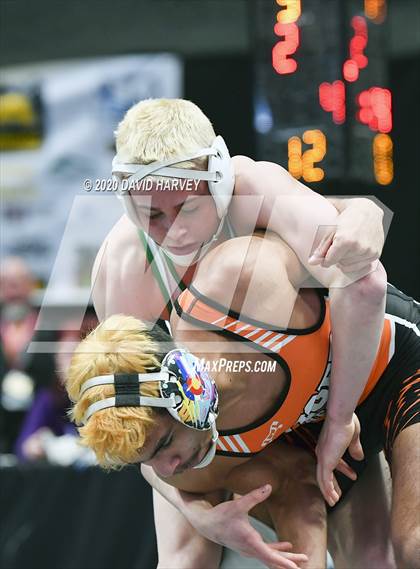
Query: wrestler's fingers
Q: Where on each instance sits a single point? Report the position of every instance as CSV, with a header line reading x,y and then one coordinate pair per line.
x,y
356,449
281,545
325,482
337,488
335,253
320,251
345,469
334,493
296,557
248,501
274,558
290,561
328,485
285,546
281,563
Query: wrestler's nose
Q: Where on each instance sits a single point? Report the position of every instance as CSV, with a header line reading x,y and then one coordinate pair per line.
x,y
177,231
166,466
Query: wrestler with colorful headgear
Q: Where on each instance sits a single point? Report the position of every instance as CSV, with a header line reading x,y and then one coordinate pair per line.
x,y
255,408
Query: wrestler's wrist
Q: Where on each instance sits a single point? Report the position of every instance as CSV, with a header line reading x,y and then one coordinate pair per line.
x,y
338,418
367,205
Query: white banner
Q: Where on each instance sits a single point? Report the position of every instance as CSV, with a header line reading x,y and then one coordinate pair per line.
x,y
83,102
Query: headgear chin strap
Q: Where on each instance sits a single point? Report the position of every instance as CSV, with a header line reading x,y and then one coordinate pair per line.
x,y
219,176
186,391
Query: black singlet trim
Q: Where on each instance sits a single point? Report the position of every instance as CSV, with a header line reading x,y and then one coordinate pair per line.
x,y
238,454
276,357
247,320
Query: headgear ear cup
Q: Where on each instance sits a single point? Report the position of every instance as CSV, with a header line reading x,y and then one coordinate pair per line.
x,y
222,189
198,402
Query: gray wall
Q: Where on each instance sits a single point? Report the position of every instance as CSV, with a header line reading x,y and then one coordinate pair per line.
x,y
39,30
48,29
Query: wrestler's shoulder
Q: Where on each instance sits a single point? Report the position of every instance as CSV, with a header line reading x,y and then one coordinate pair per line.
x,y
120,265
241,255
124,233
243,271
122,248
250,173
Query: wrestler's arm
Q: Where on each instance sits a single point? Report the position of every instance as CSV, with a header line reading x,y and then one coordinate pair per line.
x,y
179,544
222,522
357,240
354,242
120,277
357,300
226,522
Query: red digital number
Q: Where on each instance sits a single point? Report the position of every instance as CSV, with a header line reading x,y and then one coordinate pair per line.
x,y
332,98
358,43
287,29
375,109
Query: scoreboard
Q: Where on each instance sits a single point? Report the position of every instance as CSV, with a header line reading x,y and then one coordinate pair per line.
x,y
323,108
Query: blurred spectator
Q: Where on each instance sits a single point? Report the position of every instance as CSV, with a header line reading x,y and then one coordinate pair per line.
x,y
18,317
47,433
21,373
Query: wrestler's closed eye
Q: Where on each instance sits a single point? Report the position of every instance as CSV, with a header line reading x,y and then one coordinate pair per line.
x,y
161,445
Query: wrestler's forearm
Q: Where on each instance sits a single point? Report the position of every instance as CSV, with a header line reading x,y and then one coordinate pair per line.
x,y
340,204
357,313
179,544
184,502
363,206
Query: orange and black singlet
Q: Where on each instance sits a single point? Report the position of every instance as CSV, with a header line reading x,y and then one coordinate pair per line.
x,y
304,355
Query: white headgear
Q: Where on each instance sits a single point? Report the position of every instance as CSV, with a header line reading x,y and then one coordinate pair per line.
x,y
219,175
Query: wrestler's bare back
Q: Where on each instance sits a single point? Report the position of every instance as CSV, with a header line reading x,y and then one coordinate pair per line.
x,y
242,400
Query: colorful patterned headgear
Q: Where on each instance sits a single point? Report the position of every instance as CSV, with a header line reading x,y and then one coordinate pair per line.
x,y
186,391
195,391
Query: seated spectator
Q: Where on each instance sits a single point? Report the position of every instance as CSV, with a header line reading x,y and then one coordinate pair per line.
x,y
18,316
20,372
47,433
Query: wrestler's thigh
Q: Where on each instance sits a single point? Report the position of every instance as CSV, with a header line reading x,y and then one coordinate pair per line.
x,y
179,544
359,528
405,515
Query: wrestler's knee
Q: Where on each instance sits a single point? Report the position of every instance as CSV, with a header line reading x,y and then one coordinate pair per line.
x,y
406,542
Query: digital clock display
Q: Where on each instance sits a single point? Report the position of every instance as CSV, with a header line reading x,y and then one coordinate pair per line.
x,y
322,103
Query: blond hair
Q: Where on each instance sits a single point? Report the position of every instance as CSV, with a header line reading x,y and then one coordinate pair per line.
x,y
120,344
159,129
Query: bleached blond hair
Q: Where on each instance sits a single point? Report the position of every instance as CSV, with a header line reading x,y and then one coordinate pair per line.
x,y
120,344
159,129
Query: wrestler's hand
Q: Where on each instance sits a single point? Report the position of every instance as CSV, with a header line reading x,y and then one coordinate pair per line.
x,y
228,524
356,242
334,440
